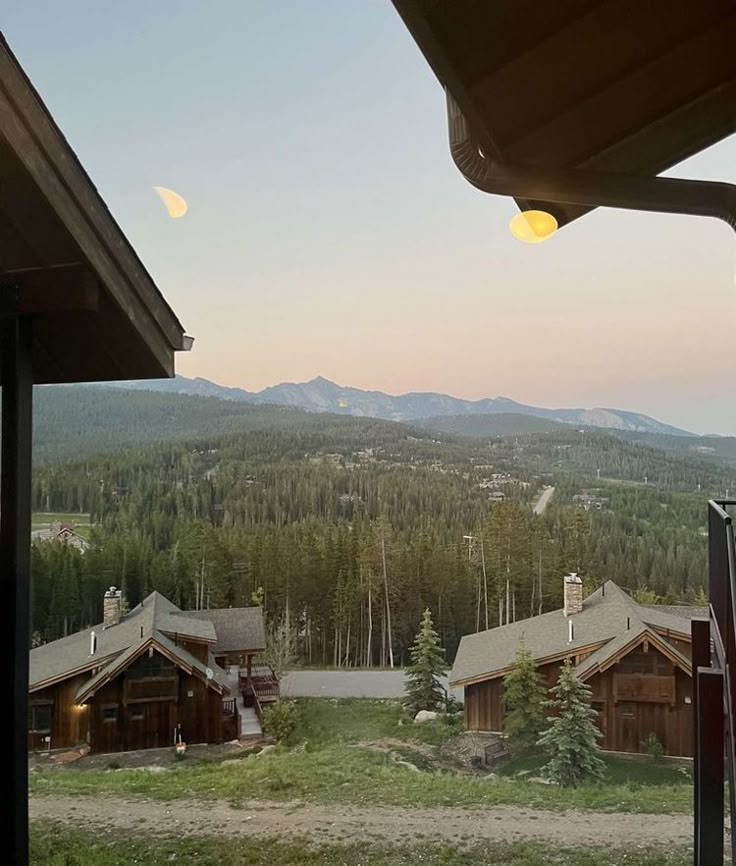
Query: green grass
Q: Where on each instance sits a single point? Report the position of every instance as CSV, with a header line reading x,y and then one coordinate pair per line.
x,y
57,845
357,720
620,770
346,774
331,767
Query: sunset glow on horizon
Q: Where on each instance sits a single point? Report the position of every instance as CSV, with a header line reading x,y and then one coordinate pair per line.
x,y
333,235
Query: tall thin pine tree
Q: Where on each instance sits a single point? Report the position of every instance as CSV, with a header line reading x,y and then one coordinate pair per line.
x,y
424,690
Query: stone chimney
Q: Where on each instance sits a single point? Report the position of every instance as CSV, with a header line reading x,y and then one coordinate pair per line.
x,y
573,594
113,607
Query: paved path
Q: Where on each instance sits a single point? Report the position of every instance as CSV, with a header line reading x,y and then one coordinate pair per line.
x,y
541,504
348,684
350,824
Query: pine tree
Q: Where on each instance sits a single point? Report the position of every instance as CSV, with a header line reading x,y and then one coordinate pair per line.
x,y
525,697
572,738
423,689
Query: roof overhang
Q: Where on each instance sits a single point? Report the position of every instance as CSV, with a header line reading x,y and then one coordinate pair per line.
x,y
649,636
64,260
94,662
586,649
126,658
577,103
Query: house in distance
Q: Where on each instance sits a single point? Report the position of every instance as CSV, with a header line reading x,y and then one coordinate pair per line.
x,y
635,658
62,533
143,678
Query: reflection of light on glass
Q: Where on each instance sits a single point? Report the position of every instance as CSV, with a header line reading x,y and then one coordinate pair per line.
x,y
173,202
533,226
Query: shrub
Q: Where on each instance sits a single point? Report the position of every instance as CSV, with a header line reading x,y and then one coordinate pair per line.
x,y
652,746
279,721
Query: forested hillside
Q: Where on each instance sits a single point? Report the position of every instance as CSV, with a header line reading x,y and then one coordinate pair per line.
x,y
485,426
356,525
78,420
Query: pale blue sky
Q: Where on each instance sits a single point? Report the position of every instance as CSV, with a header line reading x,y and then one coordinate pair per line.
x,y
329,234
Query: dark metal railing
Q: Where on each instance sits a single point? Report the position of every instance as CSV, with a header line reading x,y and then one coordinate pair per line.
x,y
714,685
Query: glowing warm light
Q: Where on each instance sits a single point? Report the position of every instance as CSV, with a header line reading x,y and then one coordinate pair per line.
x,y
173,202
533,226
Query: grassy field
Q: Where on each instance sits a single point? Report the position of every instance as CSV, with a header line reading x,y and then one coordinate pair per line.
x,y
80,522
53,845
620,770
348,753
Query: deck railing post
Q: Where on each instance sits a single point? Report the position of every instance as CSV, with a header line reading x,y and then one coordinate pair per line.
x,y
15,568
709,761
700,631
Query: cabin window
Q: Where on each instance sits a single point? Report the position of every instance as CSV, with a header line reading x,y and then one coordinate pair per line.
x,y
135,712
39,718
150,667
639,662
627,711
109,714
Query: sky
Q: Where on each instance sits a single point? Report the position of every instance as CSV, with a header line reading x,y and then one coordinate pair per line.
x,y
328,232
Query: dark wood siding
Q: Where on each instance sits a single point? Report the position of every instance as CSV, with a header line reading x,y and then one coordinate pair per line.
x,y
631,705
627,723
134,712
484,706
484,709
684,646
69,723
198,649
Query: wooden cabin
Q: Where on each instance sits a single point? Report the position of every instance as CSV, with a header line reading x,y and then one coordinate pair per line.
x,y
140,679
634,657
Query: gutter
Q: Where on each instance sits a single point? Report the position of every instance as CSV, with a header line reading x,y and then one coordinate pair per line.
x,y
584,187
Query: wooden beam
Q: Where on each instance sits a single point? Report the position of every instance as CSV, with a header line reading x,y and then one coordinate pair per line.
x,y
15,570
709,751
57,290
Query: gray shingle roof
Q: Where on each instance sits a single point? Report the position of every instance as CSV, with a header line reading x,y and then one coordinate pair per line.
x,y
154,618
183,656
609,616
237,628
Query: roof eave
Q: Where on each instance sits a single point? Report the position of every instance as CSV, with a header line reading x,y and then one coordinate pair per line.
x,y
542,660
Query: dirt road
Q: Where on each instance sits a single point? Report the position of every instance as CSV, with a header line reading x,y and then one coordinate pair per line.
x,y
350,824
541,504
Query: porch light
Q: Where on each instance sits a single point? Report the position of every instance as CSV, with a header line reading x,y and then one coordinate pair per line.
x,y
533,226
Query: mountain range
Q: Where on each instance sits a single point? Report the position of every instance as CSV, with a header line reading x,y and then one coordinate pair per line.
x,y
322,395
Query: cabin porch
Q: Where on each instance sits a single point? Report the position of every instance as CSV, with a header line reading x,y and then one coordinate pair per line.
x,y
250,688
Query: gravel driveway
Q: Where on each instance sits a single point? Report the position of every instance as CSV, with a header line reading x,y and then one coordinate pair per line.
x,y
350,824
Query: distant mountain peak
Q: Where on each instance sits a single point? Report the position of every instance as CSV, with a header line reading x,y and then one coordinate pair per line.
x,y
323,395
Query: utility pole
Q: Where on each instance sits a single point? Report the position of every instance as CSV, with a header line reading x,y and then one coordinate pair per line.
x,y
388,602
485,577
470,539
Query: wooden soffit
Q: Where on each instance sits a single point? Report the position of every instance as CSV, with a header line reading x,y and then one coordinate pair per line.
x,y
614,86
